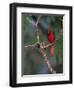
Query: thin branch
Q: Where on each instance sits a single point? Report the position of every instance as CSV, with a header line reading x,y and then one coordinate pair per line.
x,y
46,46
37,30
33,45
38,20
47,61
38,37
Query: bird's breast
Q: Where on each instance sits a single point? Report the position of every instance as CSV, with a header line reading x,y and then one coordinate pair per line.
x,y
51,37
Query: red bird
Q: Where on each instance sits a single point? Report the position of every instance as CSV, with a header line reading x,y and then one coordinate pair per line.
x,y
51,39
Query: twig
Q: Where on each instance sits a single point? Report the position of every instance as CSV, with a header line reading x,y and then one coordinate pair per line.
x,y
38,21
46,46
33,45
47,61
37,30
38,38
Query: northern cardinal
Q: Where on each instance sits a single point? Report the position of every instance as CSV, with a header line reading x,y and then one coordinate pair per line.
x,y
51,39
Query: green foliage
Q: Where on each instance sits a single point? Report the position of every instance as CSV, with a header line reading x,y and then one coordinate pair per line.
x,y
59,49
25,23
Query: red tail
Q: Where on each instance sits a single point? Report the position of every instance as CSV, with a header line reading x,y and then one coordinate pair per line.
x,y
52,50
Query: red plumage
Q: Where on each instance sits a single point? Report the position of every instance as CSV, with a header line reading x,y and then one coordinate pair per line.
x,y
51,39
52,50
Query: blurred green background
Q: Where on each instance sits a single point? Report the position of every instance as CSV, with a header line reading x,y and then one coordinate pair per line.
x,y
32,61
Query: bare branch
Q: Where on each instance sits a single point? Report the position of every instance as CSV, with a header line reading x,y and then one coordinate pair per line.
x,y
47,61
38,20
50,44
37,30
33,45
38,38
